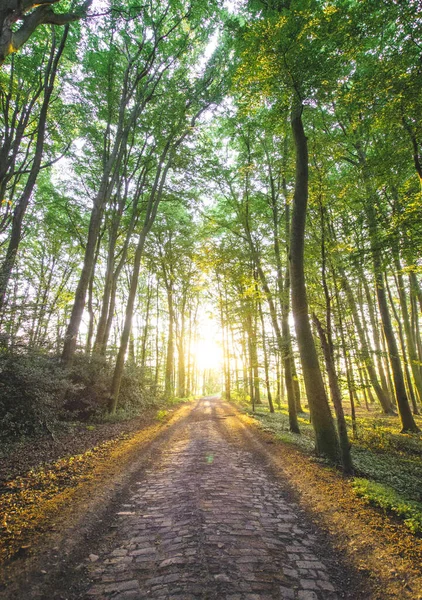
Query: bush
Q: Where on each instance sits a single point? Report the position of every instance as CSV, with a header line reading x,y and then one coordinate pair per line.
x,y
138,390
89,387
32,388
36,392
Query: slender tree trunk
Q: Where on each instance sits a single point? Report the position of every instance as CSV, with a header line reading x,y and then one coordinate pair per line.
x,y
376,336
181,368
168,381
406,417
283,340
266,369
38,339
364,351
100,345
146,327
124,339
415,317
346,457
285,347
410,389
235,357
347,366
411,345
327,345
157,338
226,359
325,433
69,346
23,202
90,313
108,181
254,358
245,363
279,382
251,356
227,356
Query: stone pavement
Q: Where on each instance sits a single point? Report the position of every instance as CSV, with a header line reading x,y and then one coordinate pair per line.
x,y
209,522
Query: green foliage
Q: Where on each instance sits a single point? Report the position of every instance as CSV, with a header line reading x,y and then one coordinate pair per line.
x,y
385,497
278,424
38,395
402,474
161,415
383,435
87,395
31,390
138,390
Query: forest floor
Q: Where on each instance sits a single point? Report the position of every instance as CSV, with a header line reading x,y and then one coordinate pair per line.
x,y
200,503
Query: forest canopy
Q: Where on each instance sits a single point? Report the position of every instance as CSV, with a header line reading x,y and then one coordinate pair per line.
x,y
257,165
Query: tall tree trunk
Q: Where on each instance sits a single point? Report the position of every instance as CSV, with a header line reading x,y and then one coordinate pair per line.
x,y
325,434
415,316
376,336
168,381
23,202
109,178
364,350
226,358
411,345
69,346
227,354
157,338
292,383
406,417
280,390
99,344
251,355
346,458
283,340
410,389
266,368
181,367
90,332
326,338
347,366
146,327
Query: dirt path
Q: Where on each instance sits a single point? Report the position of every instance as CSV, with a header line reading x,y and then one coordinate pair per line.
x,y
204,519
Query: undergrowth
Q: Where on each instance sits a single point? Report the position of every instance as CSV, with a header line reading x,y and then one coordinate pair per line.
x,y
387,498
38,396
387,463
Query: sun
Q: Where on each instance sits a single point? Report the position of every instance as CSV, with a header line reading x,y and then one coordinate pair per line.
x,y
207,349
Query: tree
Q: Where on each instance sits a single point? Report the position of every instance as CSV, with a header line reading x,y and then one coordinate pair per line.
x,y
30,15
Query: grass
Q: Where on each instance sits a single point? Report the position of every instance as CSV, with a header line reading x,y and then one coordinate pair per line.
x,y
388,465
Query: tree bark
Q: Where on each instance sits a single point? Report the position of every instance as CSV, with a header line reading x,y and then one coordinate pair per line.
x,y
22,204
346,457
31,15
325,434
266,368
364,350
411,346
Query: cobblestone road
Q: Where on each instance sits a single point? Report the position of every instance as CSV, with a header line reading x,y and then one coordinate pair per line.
x,y
207,521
